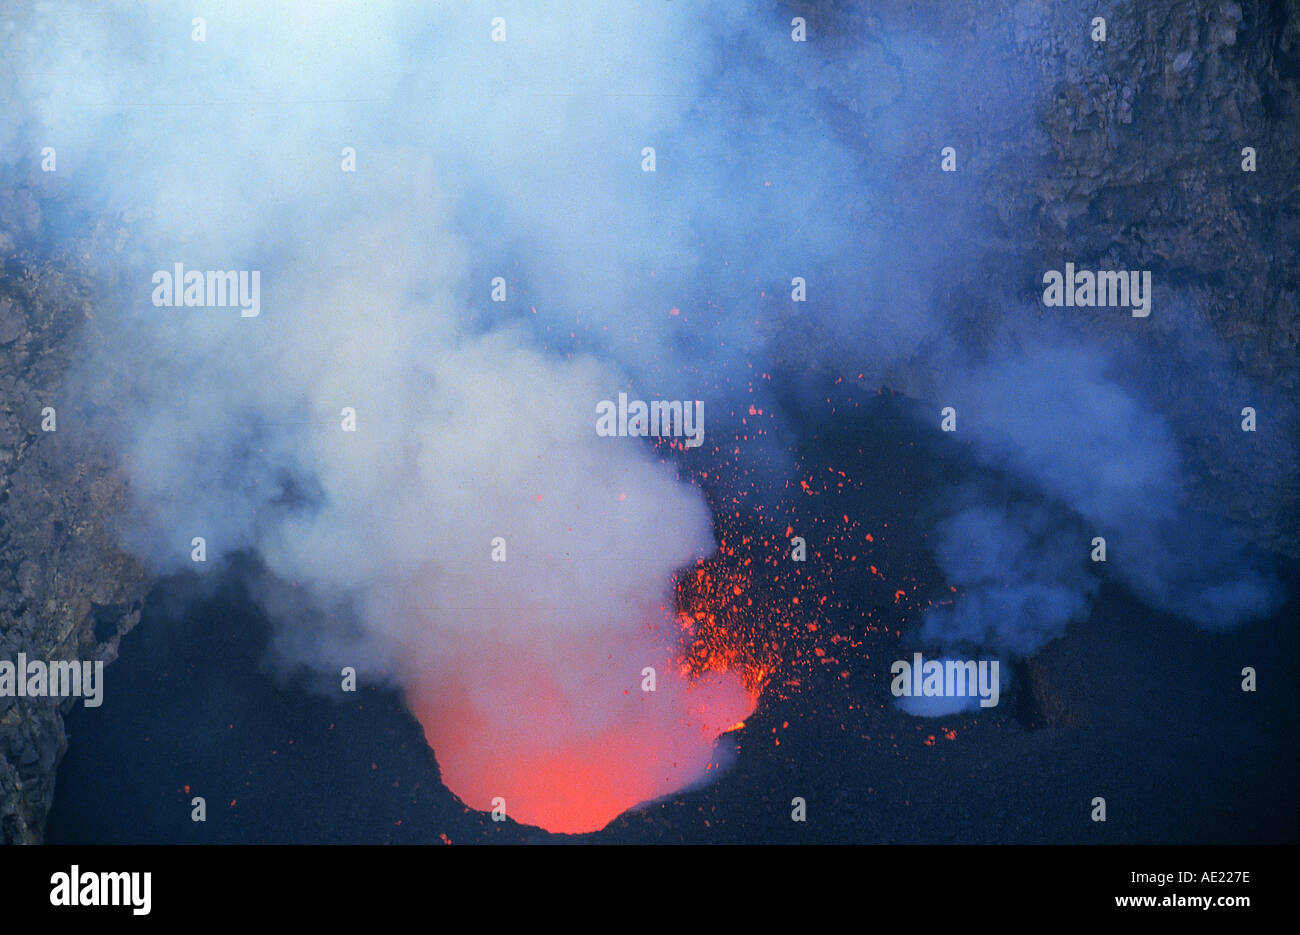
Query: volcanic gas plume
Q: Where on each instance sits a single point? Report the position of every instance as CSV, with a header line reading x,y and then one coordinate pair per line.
x,y
460,245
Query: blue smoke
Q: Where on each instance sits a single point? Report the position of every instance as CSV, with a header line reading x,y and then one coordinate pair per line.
x,y
523,159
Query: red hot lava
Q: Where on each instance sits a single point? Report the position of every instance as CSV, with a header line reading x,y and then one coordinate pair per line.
x,y
568,735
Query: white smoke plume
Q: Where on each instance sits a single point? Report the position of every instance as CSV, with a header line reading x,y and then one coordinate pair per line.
x,y
523,159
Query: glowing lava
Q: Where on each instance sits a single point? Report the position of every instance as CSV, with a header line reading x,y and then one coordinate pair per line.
x,y
566,734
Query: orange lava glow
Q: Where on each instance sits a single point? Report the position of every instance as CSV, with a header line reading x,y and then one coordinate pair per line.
x,y
566,733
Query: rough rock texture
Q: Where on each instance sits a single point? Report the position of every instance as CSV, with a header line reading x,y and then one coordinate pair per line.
x,y
66,590
1145,171
1128,155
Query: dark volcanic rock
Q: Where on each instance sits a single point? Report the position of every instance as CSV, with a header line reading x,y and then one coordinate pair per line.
x,y
1128,155
1145,172
66,590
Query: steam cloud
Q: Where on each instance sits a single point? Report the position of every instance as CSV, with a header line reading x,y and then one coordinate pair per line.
x,y
1108,466
475,419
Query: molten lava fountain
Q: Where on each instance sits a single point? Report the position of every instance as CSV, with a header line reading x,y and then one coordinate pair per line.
x,y
567,733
